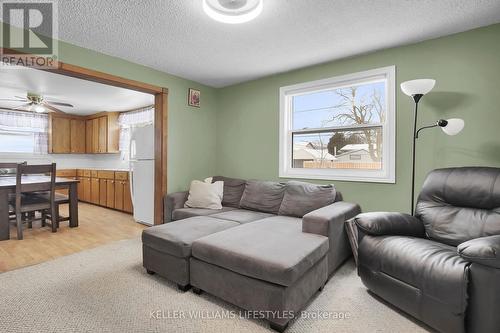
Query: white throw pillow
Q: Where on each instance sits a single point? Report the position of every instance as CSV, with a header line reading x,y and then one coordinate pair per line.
x,y
205,194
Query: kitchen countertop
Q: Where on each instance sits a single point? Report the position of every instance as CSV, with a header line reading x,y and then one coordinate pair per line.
x,y
102,169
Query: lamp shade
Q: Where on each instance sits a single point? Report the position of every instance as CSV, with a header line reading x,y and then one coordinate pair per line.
x,y
417,87
454,126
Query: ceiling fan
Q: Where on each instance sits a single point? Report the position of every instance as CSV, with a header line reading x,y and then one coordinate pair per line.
x,y
35,103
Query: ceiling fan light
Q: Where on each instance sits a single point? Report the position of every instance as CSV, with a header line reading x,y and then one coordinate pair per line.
x,y
39,109
233,11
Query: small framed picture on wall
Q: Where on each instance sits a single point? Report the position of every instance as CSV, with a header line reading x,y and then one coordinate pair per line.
x,y
194,97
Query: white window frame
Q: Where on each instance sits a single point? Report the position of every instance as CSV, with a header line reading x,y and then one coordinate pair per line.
x,y
388,172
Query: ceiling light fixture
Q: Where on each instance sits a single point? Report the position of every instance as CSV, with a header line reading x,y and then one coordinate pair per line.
x,y
39,108
233,11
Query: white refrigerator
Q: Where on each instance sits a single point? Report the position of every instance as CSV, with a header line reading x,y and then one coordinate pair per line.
x,y
142,173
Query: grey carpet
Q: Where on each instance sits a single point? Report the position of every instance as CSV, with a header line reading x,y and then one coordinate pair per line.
x,y
107,290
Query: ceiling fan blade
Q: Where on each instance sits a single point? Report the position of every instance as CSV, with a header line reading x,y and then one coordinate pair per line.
x,y
22,97
59,103
13,100
22,106
52,109
10,109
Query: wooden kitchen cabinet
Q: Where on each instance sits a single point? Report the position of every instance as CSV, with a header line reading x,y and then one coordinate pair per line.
x,y
95,134
103,187
110,193
119,187
86,189
80,188
77,136
89,130
102,146
106,188
127,198
94,191
59,135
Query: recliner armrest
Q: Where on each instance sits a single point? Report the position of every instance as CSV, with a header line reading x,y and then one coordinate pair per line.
x,y
172,202
390,224
329,219
484,250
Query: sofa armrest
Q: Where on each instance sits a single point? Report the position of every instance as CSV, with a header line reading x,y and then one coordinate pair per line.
x,y
484,250
172,202
329,219
390,224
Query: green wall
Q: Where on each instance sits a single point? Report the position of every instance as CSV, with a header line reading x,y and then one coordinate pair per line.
x,y
466,67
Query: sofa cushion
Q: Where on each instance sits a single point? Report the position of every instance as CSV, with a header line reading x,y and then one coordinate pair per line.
x,y
301,198
435,269
242,215
233,190
205,194
274,249
184,213
176,237
263,196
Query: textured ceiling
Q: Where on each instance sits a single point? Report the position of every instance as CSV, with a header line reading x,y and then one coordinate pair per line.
x,y
175,36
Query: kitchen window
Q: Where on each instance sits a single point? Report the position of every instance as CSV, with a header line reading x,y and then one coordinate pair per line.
x,y
341,128
23,132
129,119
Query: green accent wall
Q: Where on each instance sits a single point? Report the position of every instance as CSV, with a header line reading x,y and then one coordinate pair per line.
x,y
466,67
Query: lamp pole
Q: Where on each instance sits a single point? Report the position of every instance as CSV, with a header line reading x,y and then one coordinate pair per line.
x,y
416,99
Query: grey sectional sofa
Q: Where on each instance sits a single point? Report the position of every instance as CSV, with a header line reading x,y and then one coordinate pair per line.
x,y
270,248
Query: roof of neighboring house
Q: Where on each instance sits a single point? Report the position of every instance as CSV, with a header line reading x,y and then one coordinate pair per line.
x,y
300,153
354,146
352,152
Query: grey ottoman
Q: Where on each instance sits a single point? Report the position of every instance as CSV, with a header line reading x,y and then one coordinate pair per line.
x,y
166,248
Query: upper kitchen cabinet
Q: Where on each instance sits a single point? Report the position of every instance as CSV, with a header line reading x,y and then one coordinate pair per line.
x,y
95,134
103,133
77,135
59,135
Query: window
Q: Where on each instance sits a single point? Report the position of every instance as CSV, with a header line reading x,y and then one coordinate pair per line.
x,y
127,120
342,128
23,132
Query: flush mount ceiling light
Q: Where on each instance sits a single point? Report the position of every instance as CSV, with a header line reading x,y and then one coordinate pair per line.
x,y
233,11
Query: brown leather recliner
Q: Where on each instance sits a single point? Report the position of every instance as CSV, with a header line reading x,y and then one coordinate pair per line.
x,y
442,265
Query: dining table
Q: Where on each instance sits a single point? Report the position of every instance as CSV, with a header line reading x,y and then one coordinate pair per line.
x,y
8,185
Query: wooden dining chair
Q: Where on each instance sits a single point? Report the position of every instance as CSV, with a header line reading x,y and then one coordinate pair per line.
x,y
33,196
9,170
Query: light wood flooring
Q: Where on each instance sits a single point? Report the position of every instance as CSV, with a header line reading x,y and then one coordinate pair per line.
x,y
97,226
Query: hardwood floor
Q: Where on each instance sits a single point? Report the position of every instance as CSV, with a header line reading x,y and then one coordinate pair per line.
x,y
97,226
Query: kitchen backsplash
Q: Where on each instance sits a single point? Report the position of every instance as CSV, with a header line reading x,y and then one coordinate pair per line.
x,y
71,161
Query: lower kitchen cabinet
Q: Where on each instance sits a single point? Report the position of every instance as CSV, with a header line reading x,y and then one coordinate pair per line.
x,y
105,188
94,191
85,181
119,195
127,198
110,193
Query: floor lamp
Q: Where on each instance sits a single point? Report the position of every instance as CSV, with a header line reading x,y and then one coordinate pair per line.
x,y
416,89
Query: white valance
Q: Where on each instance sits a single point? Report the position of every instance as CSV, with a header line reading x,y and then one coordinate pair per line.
x,y
137,117
24,122
126,120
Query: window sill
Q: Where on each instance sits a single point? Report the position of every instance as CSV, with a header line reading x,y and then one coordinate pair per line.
x,y
376,178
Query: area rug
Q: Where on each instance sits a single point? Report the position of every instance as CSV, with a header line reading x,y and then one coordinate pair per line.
x,y
107,290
